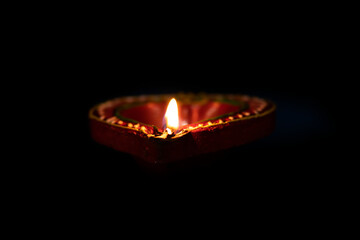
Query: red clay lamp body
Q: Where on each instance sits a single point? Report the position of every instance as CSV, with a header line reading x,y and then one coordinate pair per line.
x,y
168,128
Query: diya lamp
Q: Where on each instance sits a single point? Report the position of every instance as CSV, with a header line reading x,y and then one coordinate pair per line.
x,y
161,129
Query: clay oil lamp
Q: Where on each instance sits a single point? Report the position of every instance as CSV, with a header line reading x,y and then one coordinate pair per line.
x,y
169,128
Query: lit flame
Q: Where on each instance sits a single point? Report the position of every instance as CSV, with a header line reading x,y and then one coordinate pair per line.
x,y
172,116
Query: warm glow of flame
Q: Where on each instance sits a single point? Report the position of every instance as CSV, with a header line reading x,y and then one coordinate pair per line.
x,y
172,116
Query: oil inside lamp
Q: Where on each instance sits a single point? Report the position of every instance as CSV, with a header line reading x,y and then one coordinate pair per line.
x,y
172,117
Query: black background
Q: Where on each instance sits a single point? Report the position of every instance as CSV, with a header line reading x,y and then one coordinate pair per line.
x,y
285,58
64,59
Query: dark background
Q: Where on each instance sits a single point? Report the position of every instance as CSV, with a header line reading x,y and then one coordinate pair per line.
x,y
285,58
65,59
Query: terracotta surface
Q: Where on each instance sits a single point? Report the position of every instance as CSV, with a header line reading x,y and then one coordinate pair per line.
x,y
210,123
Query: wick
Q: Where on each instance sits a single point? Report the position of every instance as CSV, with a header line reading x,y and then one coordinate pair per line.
x,y
170,132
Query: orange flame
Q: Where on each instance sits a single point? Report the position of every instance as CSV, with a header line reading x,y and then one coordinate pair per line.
x,y
172,117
